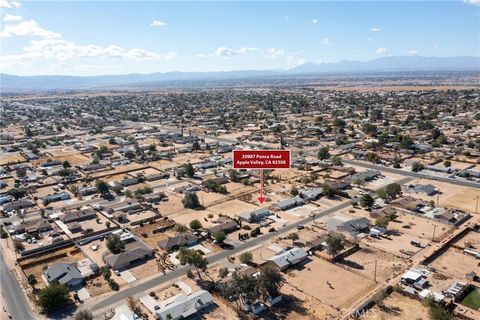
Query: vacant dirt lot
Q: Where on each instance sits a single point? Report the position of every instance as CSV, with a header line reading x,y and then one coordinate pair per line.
x,y
333,285
6,158
362,262
398,307
462,265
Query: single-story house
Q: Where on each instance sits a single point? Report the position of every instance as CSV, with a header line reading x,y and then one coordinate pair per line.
x,y
289,203
223,224
254,216
56,197
79,215
427,189
41,225
124,259
310,194
65,273
288,258
184,306
20,204
354,226
182,240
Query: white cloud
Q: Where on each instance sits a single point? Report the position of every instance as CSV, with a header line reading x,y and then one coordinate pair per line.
x,y
313,21
293,61
27,28
225,52
326,41
412,52
383,51
376,29
273,53
10,4
158,23
10,17
52,46
474,2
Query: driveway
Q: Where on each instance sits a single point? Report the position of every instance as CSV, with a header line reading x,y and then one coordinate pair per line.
x,y
127,276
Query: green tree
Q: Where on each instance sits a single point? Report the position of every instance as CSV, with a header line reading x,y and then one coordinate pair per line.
x,y
382,221
447,163
196,146
367,201
53,297
220,236
243,290
32,280
393,190
66,164
223,272
83,315
417,166
293,236
334,245
190,200
294,191
193,258
233,175
336,161
372,157
189,170
106,273
437,310
269,281
17,193
195,224
103,187
115,244
18,245
246,257
324,153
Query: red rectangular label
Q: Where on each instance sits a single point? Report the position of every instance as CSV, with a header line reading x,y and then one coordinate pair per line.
x,y
261,159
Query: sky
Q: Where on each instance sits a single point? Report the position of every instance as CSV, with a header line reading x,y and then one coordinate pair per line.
x,y
119,37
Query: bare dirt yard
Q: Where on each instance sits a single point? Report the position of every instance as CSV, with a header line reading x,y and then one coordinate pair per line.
x,y
462,265
398,307
452,196
333,285
6,158
32,267
363,261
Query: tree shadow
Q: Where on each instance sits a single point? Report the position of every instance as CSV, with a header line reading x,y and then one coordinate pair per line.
x,y
282,310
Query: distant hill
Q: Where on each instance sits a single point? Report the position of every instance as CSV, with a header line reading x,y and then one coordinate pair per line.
x,y
394,63
12,83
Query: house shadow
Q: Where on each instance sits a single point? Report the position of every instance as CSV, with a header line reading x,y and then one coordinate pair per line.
x,y
351,264
301,266
205,313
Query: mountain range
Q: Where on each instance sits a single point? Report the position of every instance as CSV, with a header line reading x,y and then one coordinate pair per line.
x,y
13,83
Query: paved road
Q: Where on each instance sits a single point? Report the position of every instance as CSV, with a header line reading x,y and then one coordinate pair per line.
x,y
459,182
137,288
12,294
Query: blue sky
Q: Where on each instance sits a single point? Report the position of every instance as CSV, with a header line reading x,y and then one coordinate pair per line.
x,y
115,37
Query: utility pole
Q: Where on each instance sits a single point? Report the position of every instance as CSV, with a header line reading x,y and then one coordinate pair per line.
x,y
476,205
375,272
433,236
